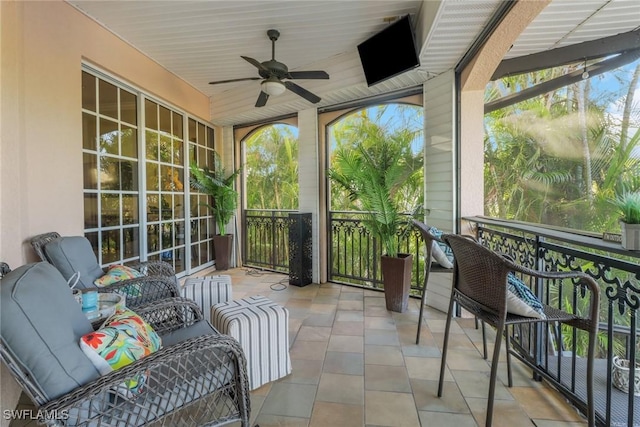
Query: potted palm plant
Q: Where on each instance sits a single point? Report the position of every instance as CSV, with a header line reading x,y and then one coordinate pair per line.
x,y
218,184
629,206
371,175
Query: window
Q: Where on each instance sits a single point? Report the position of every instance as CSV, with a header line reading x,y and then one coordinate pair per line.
x,y
134,161
110,156
165,172
382,135
201,146
401,125
558,158
271,193
271,165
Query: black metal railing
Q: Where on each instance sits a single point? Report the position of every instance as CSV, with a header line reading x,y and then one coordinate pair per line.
x,y
354,255
266,239
560,353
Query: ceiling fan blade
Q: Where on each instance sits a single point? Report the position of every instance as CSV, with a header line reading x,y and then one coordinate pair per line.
x,y
308,75
255,63
302,92
262,99
233,80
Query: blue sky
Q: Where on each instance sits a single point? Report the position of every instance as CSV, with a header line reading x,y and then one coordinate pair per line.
x,y
394,117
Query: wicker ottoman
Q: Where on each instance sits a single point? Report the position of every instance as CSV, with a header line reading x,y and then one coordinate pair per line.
x,y
262,328
208,291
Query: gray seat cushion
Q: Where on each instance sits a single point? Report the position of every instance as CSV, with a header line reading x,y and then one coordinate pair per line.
x,y
41,325
72,254
203,327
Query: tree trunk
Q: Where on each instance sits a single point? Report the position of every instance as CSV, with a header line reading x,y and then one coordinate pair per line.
x,y
628,105
581,89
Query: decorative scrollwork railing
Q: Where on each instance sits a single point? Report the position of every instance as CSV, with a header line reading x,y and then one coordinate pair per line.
x,y
266,239
354,255
561,352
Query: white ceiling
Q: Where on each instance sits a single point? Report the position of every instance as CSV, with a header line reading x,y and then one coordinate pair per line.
x,y
201,41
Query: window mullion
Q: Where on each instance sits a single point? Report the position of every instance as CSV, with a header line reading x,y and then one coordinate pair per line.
x,y
142,177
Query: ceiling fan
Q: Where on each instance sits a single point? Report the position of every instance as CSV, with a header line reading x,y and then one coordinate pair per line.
x,y
272,74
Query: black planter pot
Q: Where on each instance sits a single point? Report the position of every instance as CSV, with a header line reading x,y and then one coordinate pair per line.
x,y
222,245
396,276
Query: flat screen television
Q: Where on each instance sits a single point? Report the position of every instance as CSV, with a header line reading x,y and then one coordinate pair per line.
x,y
390,52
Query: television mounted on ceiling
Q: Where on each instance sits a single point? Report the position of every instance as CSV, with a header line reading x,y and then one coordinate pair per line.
x,y
390,52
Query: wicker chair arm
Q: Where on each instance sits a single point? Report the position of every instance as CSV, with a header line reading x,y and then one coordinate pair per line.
x,y
507,256
143,290
170,314
155,268
583,280
211,367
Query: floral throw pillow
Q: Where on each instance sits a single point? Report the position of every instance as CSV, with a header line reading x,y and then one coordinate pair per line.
x,y
124,338
117,273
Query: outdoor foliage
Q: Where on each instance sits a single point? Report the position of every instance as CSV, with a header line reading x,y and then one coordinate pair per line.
x,y
397,123
560,158
629,206
271,156
376,168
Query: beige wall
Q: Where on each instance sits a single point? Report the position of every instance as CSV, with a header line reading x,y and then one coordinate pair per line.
x,y
473,80
471,155
43,45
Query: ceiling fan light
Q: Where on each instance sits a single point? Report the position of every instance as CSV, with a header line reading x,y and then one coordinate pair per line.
x,y
273,87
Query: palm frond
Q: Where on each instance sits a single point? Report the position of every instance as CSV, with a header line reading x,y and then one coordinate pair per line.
x,y
219,185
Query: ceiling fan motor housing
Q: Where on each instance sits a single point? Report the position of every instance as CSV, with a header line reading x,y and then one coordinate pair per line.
x,y
275,68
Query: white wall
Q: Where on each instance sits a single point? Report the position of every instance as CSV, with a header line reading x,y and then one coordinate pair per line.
x,y
440,172
439,152
309,177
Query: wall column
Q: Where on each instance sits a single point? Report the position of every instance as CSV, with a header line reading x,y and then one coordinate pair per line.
x,y
440,171
439,151
308,177
226,148
471,155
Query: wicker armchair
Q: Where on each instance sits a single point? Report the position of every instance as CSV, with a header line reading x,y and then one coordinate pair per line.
x,y
429,240
198,377
75,254
480,280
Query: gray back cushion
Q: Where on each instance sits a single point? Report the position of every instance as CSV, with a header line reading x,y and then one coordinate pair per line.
x,y
198,329
74,254
41,325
